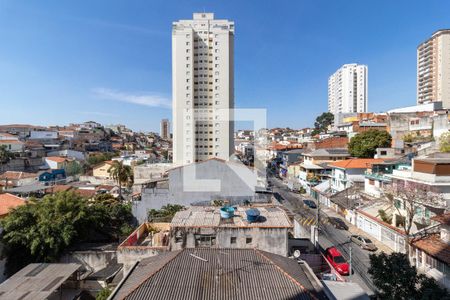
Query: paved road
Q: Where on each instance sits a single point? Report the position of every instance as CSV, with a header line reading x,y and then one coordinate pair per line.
x,y
329,236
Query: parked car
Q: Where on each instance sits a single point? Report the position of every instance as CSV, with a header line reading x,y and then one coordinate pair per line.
x,y
336,259
363,242
337,223
310,203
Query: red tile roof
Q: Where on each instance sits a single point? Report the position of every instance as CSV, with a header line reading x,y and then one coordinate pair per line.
x,y
8,202
435,247
356,163
58,188
85,193
57,159
443,219
15,175
11,142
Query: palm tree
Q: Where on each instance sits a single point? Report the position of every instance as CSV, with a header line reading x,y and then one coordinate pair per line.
x,y
122,174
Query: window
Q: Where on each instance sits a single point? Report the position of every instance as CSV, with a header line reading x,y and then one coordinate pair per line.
x,y
248,240
233,240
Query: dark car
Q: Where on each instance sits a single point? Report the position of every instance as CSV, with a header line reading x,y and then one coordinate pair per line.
x,y
337,223
309,203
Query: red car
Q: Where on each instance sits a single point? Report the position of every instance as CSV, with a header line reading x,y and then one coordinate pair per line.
x,y
336,259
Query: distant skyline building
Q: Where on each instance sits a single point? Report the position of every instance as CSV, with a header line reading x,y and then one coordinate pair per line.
x,y
164,129
202,88
433,69
347,89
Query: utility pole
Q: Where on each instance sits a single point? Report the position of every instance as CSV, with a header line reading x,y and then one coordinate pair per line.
x,y
350,265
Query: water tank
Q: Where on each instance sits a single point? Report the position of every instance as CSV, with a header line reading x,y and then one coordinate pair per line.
x,y
227,212
252,215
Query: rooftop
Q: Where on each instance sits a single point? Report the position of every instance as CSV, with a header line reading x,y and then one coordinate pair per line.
x,y
36,281
340,152
207,216
435,247
15,175
218,274
57,159
356,163
8,202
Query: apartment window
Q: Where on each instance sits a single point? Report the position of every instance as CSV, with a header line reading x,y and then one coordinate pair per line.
x,y
188,50
217,80
188,43
216,65
248,240
188,65
188,35
233,240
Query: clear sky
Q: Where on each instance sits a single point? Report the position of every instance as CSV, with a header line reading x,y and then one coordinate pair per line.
x,y
110,61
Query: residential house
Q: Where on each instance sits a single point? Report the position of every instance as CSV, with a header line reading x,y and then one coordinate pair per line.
x,y
431,176
16,178
260,227
221,274
200,184
56,162
375,177
344,173
315,166
13,145
101,170
430,251
289,157
52,175
8,202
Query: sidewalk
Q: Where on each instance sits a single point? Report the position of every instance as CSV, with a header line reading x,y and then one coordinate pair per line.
x,y
355,230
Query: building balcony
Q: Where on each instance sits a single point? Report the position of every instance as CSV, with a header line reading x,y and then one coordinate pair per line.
x,y
377,176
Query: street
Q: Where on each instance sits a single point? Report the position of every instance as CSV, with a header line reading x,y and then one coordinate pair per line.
x,y
329,236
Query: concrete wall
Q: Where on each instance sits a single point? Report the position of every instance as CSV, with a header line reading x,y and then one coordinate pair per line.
x,y
93,260
130,255
274,240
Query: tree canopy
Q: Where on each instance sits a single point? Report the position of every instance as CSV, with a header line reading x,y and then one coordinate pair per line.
x,y
42,229
364,144
322,122
165,213
444,142
122,174
5,155
396,279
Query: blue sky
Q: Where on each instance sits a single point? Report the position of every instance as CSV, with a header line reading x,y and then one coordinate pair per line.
x,y
110,61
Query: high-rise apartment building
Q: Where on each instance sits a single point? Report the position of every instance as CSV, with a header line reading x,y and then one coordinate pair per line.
x,y
202,88
164,129
433,69
347,89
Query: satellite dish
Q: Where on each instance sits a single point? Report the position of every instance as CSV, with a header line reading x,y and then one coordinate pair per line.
x,y
297,253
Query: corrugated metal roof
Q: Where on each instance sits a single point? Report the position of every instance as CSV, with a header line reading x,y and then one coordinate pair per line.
x,y
218,274
206,216
36,281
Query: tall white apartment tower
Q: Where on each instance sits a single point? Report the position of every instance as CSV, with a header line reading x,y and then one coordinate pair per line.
x,y
347,89
202,88
433,69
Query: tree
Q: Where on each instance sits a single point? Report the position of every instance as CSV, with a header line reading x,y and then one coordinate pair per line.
x,y
165,213
103,294
122,174
322,122
396,279
42,229
408,198
444,142
73,168
5,155
364,144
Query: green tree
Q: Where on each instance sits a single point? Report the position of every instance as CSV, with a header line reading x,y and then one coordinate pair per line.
x,y
396,279
5,155
42,229
166,212
322,122
364,144
73,168
103,294
444,142
122,174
